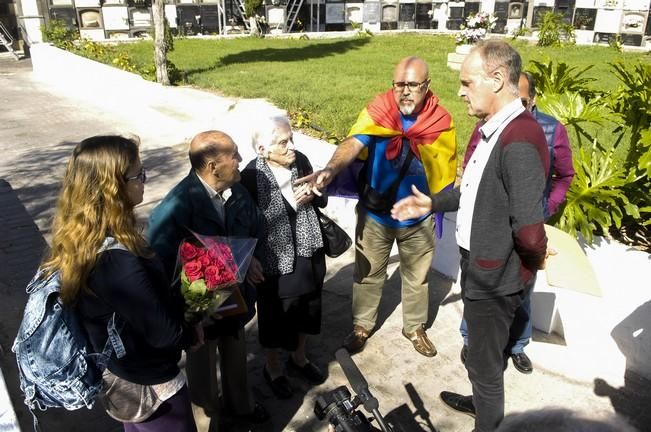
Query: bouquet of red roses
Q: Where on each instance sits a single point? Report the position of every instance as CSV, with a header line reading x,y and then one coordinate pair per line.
x,y
210,269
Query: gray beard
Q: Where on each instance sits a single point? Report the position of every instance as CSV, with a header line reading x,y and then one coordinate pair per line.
x,y
407,109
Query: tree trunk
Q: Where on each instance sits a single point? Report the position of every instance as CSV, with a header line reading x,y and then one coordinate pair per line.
x,y
160,45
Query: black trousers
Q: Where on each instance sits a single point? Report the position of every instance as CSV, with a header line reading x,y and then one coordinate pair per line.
x,y
490,323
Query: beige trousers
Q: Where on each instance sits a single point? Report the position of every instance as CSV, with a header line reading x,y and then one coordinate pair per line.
x,y
373,242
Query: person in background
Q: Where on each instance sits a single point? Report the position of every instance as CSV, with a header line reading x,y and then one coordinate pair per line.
x,y
292,256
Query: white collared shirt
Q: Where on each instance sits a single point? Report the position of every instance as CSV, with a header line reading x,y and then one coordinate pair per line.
x,y
217,199
284,179
490,133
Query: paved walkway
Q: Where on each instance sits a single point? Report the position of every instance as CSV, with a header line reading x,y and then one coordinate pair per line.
x,y
38,121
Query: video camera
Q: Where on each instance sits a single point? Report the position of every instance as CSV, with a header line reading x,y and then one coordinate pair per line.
x,y
339,408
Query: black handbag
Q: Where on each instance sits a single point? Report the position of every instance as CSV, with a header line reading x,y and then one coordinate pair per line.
x,y
335,239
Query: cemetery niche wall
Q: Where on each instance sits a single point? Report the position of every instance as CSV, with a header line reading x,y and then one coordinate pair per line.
x,y
595,21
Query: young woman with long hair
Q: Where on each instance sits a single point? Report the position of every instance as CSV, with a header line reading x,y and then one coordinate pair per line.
x,y
103,182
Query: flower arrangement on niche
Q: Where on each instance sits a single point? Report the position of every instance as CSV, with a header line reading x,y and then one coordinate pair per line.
x,y
476,28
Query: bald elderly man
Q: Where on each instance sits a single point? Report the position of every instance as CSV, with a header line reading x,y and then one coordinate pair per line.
x,y
406,139
210,201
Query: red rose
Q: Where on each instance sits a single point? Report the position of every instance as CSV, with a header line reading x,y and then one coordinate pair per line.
x,y
227,274
212,277
188,251
193,270
226,252
205,260
214,254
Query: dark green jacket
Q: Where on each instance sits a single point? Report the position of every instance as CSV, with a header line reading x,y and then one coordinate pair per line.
x,y
188,207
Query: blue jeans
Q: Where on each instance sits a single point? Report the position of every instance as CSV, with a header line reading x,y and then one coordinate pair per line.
x,y
521,329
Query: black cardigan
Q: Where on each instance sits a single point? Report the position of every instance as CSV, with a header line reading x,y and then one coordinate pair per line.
x,y
154,332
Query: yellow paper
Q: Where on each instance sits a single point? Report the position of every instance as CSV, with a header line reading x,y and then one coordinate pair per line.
x,y
569,268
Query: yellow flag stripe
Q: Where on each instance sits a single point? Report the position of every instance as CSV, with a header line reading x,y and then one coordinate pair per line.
x,y
438,158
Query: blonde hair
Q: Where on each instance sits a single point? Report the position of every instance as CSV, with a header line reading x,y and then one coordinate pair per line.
x,y
93,204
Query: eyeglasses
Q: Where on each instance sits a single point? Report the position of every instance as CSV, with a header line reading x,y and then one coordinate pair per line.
x,y
142,176
411,85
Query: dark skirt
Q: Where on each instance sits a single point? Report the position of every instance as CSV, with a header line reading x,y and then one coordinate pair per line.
x,y
291,304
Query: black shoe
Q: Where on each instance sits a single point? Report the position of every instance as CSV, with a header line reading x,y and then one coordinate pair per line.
x,y
464,354
259,415
356,340
280,386
459,402
310,372
522,363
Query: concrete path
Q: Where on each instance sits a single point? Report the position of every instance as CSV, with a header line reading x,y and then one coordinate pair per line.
x,y
40,118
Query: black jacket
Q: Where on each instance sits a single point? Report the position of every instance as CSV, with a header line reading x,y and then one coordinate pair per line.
x,y
154,332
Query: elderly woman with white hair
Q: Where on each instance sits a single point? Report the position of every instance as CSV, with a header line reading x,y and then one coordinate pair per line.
x,y
292,258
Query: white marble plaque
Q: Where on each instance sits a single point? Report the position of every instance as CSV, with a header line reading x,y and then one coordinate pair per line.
x,y
609,4
608,20
86,3
636,5
116,17
170,15
584,37
354,12
97,34
372,12
141,18
275,16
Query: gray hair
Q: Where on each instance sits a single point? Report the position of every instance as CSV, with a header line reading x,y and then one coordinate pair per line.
x,y
263,131
498,54
560,420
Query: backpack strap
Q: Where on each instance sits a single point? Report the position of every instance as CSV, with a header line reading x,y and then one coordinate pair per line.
x,y
114,342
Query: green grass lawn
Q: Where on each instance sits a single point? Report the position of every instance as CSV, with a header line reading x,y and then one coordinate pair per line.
x,y
332,79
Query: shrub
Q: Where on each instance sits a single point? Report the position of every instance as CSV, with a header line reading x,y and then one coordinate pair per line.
x,y
571,109
631,103
560,78
554,31
596,199
60,35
